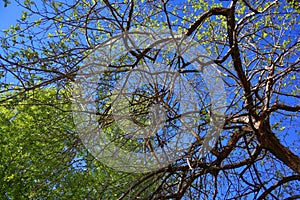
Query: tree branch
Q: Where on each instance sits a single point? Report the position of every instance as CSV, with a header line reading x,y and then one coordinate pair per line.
x,y
204,16
279,183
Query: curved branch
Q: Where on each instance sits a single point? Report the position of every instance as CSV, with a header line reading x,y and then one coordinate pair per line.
x,y
279,183
204,16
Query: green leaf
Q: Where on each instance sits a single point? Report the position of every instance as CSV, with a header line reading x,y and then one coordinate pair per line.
x,y
37,22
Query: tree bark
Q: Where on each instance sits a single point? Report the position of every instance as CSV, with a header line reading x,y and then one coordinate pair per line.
x,y
270,142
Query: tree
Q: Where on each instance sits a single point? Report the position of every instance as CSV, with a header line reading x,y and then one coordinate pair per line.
x,y
42,157
255,45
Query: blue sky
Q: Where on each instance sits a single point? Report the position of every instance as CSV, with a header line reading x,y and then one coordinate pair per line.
x,y
9,14
12,12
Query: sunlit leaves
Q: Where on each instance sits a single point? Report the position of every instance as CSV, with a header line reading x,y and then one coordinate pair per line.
x,y
41,156
24,15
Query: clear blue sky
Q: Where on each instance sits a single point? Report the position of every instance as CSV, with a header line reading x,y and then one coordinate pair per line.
x,y
9,14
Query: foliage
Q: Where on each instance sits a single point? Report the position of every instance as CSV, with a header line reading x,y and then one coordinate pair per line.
x,y
255,44
42,157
